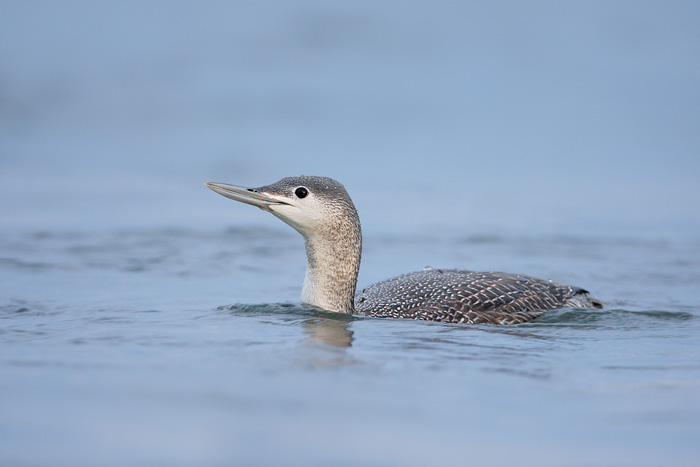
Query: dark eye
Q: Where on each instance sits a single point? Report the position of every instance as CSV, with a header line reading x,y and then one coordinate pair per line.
x,y
301,192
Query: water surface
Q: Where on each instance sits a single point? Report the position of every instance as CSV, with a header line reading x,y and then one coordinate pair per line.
x,y
127,347
145,320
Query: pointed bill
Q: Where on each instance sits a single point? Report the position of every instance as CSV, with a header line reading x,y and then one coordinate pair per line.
x,y
245,195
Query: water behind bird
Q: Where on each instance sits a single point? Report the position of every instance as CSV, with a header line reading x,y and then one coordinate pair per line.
x,y
555,139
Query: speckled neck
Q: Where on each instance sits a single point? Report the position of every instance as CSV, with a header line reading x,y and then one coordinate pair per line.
x,y
333,261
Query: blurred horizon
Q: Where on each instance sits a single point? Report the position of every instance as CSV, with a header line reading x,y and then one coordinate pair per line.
x,y
545,116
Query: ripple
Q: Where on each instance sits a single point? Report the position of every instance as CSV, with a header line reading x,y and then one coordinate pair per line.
x,y
616,317
285,308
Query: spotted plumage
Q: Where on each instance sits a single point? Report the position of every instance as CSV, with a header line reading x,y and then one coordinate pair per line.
x,y
320,209
456,296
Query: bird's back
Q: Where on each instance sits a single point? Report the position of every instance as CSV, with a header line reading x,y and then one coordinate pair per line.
x,y
457,296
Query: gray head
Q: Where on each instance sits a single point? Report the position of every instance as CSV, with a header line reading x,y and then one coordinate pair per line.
x,y
311,205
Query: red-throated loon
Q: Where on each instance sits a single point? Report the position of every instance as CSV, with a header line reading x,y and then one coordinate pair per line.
x,y
321,210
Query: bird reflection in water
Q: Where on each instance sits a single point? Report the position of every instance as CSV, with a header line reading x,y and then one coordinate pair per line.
x,y
327,331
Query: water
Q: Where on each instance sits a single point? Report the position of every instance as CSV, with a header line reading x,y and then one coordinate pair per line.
x,y
147,321
127,347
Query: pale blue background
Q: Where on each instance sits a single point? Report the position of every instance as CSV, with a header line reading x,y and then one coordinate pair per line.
x,y
558,139
515,115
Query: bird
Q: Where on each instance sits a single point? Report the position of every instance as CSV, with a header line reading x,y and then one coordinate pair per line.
x,y
320,209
